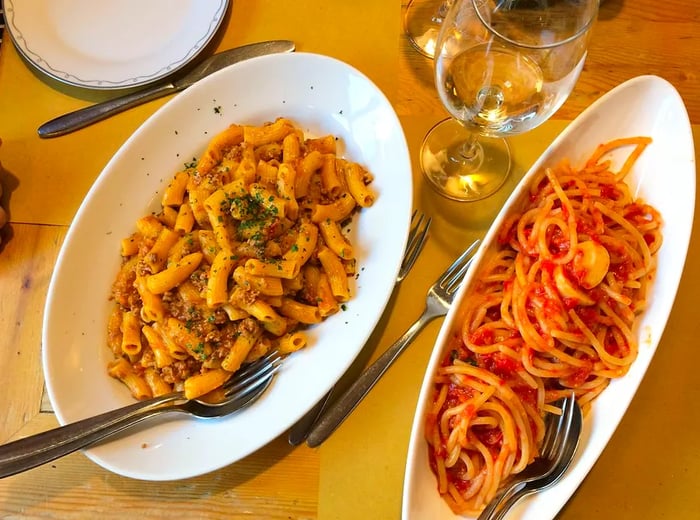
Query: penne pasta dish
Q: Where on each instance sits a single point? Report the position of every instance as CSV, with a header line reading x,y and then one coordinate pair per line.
x,y
247,251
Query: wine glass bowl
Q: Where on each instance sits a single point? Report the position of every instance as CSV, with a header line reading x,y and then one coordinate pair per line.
x,y
421,22
502,67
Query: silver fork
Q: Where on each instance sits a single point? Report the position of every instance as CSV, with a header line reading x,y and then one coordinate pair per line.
x,y
241,390
439,298
414,245
558,448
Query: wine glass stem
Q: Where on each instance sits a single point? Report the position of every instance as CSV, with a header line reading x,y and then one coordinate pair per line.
x,y
470,153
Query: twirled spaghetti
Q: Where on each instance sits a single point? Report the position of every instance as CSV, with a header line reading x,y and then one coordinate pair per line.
x,y
552,312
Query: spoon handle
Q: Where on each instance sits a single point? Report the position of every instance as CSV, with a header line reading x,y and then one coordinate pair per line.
x,y
35,450
86,116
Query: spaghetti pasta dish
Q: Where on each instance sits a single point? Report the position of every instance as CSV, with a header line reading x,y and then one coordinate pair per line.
x,y
552,312
247,250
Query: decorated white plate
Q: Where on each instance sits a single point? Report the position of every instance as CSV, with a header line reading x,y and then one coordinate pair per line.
x,y
664,176
322,96
112,45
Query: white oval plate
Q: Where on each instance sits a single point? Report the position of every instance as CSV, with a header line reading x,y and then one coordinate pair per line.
x,y
112,45
664,176
322,96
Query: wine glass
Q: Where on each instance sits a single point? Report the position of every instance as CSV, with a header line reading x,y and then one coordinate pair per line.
x,y
421,22
502,67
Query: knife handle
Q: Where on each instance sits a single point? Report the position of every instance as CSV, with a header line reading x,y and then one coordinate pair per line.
x,y
86,116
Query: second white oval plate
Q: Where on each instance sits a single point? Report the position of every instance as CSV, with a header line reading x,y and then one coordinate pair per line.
x,y
112,45
664,176
322,96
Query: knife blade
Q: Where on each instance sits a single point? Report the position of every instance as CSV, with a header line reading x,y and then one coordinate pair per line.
x,y
86,116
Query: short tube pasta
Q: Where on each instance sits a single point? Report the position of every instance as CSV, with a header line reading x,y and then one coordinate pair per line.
x,y
245,254
333,267
334,239
217,285
339,209
355,179
131,334
174,274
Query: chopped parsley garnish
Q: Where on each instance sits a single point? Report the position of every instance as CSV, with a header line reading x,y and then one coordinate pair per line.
x,y
199,350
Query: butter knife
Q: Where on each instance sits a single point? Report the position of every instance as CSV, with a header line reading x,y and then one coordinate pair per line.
x,y
86,116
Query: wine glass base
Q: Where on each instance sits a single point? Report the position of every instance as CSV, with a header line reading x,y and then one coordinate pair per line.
x,y
422,21
457,176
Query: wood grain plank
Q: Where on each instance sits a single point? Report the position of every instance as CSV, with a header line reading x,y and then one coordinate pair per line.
x,y
276,482
26,263
628,40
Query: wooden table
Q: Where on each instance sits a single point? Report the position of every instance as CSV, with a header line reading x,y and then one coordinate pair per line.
x,y
651,467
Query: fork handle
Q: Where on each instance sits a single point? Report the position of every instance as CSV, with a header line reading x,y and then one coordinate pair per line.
x,y
35,450
300,430
336,414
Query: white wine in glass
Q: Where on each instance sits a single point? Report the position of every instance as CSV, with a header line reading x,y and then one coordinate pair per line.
x,y
502,67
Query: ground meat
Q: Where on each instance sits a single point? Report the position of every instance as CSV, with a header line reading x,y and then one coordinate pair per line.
x,y
235,153
247,296
199,279
177,308
178,371
250,325
250,250
148,359
224,336
271,152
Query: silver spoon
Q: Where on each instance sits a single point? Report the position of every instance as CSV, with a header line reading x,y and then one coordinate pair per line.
x,y
27,453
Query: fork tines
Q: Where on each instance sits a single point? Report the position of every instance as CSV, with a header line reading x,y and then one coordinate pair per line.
x,y
416,240
455,273
557,426
254,374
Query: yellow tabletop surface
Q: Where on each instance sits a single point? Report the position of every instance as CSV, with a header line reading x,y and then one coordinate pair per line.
x,y
650,468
